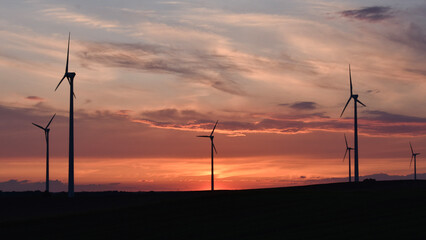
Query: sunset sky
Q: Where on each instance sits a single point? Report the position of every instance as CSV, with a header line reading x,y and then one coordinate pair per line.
x,y
152,75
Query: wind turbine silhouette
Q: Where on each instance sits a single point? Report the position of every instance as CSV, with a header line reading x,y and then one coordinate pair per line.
x,y
70,77
46,135
212,148
414,156
348,149
355,97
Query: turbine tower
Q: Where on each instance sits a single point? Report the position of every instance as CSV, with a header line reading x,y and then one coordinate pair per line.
x,y
46,135
70,77
355,97
348,149
414,156
212,148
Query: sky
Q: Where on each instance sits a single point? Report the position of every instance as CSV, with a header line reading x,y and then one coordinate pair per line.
x,y
152,75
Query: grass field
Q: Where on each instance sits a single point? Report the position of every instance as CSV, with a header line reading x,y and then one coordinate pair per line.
x,y
376,210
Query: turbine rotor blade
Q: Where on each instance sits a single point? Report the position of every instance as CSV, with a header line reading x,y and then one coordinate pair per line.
x,y
361,103
203,136
69,81
50,120
346,105
211,134
39,126
412,156
61,81
412,151
346,141
347,149
68,53
214,147
350,79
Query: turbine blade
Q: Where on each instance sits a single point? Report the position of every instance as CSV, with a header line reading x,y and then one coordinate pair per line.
x,y
39,126
412,156
211,134
346,152
350,79
412,151
214,147
61,81
50,120
346,141
69,81
361,103
68,53
346,105
203,136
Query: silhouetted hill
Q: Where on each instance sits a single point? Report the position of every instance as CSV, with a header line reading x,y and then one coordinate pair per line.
x,y
374,210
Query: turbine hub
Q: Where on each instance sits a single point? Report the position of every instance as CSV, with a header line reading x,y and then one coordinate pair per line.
x,y
70,74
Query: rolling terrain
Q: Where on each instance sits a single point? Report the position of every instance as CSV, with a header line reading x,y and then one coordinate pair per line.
x,y
367,210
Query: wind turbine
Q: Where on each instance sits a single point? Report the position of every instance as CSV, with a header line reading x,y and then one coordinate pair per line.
x,y
355,97
212,148
414,156
348,149
70,77
46,135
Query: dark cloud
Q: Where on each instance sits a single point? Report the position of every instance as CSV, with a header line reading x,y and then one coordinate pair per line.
x,y
417,71
126,134
217,71
372,122
35,98
370,14
414,37
373,91
393,118
304,105
192,120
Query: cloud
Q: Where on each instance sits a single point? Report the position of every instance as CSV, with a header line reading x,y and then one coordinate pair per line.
x,y
370,14
373,123
67,15
413,37
35,98
190,120
213,69
393,118
304,105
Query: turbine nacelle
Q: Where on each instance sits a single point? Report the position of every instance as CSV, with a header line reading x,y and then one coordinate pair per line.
x,y
70,75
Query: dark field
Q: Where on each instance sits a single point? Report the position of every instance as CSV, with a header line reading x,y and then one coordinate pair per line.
x,y
377,210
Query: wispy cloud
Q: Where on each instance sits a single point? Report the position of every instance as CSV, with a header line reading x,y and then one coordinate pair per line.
x,y
35,98
370,14
304,105
412,36
216,70
374,123
66,15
